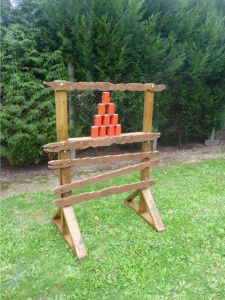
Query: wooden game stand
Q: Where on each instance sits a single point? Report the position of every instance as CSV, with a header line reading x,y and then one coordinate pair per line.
x,y
64,218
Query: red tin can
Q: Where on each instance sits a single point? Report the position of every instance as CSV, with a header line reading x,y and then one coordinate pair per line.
x,y
106,120
110,131
98,120
114,119
102,131
117,129
94,131
101,108
105,97
111,109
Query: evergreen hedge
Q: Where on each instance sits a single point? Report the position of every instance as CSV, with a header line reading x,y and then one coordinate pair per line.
x,y
176,42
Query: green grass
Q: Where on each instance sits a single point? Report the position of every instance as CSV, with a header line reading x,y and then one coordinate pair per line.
x,y
127,259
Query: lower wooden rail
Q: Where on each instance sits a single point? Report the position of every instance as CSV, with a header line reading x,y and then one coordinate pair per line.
x,y
67,201
82,183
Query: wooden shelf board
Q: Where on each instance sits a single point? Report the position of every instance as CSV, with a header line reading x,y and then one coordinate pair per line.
x,y
86,142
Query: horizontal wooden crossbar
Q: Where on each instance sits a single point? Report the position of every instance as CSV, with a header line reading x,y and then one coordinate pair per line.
x,y
107,159
67,201
62,85
82,183
86,142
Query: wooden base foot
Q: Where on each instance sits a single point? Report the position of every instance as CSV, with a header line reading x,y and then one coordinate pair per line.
x,y
66,222
152,218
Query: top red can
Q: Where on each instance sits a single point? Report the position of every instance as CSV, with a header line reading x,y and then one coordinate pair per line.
x,y
105,97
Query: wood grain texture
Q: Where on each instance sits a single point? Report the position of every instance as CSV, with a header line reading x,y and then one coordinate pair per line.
x,y
62,133
82,183
132,196
146,146
107,159
150,203
74,232
59,85
86,142
63,202
75,242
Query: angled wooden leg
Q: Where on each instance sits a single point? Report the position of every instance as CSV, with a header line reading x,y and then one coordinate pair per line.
x,y
153,218
150,203
68,227
136,207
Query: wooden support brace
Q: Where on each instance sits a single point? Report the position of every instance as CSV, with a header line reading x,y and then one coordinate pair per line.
x,y
152,218
147,127
69,228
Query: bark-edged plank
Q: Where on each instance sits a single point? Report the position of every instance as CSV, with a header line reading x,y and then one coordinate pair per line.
x,y
106,159
86,142
59,85
82,183
63,202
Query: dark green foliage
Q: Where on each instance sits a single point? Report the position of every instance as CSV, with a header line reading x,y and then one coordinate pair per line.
x,y
177,42
27,109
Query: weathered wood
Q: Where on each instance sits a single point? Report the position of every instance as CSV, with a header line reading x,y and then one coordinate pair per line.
x,y
72,234
82,183
144,215
62,133
132,195
107,159
74,231
63,202
146,146
59,85
86,142
150,203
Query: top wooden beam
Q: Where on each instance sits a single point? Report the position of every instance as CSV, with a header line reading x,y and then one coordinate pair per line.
x,y
63,85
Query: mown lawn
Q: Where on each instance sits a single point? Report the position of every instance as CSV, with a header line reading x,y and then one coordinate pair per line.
x,y
127,259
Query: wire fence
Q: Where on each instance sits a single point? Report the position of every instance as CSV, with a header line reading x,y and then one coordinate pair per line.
x,y
128,106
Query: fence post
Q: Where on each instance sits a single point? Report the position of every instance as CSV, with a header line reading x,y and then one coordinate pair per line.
x,y
146,146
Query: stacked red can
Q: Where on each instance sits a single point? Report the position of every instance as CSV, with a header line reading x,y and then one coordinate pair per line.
x,y
106,121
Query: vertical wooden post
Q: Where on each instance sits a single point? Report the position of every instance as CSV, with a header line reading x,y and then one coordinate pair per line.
x,y
65,218
62,134
146,146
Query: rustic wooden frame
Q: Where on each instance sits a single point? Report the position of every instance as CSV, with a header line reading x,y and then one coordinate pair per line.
x,y
64,218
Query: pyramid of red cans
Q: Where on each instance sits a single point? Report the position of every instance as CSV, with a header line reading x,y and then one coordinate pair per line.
x,y
106,121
